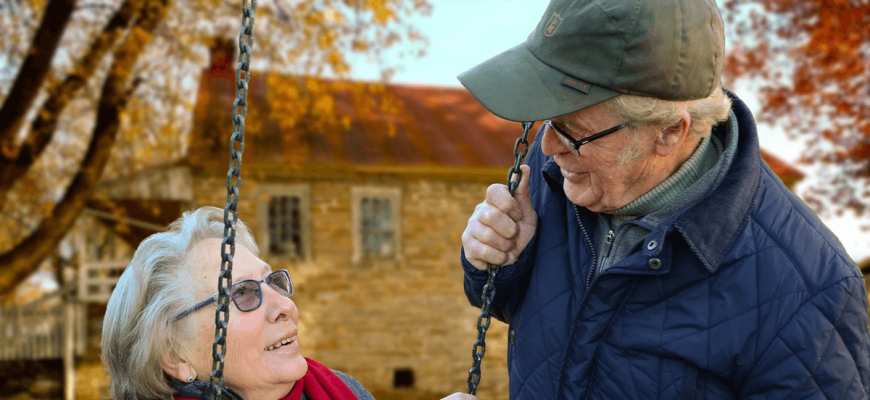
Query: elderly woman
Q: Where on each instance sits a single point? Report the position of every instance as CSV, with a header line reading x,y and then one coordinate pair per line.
x,y
158,330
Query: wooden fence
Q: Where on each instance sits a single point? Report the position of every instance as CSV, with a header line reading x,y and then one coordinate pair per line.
x,y
98,279
37,331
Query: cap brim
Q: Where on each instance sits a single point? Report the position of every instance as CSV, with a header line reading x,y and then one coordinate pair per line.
x,y
516,86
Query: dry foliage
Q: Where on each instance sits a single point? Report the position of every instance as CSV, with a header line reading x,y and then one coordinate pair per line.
x,y
809,60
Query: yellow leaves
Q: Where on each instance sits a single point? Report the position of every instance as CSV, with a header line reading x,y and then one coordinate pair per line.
x,y
359,45
127,53
333,16
254,121
286,101
38,4
338,63
377,88
391,105
381,11
138,38
314,18
321,19
314,85
323,105
327,39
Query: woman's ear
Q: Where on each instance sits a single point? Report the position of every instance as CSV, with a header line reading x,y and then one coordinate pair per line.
x,y
178,368
673,136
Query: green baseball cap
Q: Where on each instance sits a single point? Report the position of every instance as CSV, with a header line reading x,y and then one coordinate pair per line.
x,y
586,51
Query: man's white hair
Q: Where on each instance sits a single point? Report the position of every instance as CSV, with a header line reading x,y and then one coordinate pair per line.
x,y
139,329
645,111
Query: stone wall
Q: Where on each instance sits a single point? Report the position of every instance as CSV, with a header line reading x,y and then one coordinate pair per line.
x,y
379,318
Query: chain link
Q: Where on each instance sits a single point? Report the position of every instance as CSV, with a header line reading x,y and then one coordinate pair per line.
x,y
231,210
485,317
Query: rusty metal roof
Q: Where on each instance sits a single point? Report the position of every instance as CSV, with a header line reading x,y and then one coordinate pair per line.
x,y
428,126
435,126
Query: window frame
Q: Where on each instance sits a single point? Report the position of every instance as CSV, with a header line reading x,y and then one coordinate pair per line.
x,y
264,198
394,195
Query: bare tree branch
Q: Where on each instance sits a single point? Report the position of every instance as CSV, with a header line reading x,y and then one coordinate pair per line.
x,y
32,72
20,261
15,163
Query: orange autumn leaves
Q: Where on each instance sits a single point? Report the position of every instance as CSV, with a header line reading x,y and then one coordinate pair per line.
x,y
809,61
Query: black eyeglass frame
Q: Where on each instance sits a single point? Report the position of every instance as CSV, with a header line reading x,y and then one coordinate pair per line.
x,y
574,145
214,297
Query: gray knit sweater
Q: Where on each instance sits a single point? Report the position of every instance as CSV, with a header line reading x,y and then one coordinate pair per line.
x,y
354,385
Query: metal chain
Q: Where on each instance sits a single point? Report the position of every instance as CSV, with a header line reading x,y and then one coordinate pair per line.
x,y
489,288
231,210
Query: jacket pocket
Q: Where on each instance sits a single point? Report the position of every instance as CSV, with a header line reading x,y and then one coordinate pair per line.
x,y
698,384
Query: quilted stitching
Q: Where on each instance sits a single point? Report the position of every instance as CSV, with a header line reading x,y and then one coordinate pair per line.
x,y
766,322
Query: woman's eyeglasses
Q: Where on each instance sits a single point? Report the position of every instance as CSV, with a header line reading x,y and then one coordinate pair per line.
x,y
574,145
248,295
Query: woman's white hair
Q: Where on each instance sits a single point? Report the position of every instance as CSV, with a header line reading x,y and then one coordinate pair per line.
x,y
644,111
138,328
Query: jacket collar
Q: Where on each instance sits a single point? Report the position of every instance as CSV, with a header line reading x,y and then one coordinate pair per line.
x,y
729,205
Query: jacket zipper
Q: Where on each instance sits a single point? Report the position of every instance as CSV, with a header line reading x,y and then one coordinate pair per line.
x,y
591,249
594,265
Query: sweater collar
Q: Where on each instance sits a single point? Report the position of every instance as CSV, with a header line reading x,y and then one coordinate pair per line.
x,y
199,390
727,207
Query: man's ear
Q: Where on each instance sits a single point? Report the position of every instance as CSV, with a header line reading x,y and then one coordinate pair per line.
x,y
673,136
177,368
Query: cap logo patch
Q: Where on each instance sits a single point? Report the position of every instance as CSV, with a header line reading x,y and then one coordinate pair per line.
x,y
553,25
576,84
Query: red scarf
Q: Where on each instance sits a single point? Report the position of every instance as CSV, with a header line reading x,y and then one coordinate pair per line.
x,y
319,383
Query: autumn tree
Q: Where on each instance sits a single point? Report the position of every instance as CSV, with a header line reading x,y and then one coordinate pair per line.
x,y
94,89
809,61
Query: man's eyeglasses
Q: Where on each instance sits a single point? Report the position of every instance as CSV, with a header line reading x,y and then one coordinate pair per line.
x,y
574,145
248,295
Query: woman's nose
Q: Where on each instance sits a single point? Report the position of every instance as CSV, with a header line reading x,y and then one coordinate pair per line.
x,y
280,307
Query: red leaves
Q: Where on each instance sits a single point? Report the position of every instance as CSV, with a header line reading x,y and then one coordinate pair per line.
x,y
812,59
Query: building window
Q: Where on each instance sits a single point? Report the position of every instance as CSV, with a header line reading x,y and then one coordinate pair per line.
x,y
376,226
376,222
285,226
284,216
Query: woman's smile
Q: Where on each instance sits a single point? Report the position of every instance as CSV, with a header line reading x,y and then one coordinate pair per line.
x,y
286,346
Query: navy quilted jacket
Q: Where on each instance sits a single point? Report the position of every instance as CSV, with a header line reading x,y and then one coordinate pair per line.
x,y
746,295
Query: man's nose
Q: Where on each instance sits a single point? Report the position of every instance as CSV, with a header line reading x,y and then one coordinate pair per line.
x,y
550,144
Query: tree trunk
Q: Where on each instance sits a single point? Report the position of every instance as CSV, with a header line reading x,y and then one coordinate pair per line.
x,y
32,73
19,262
44,124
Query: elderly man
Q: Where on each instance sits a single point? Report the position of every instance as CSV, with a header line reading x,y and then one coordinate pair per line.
x,y
649,252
